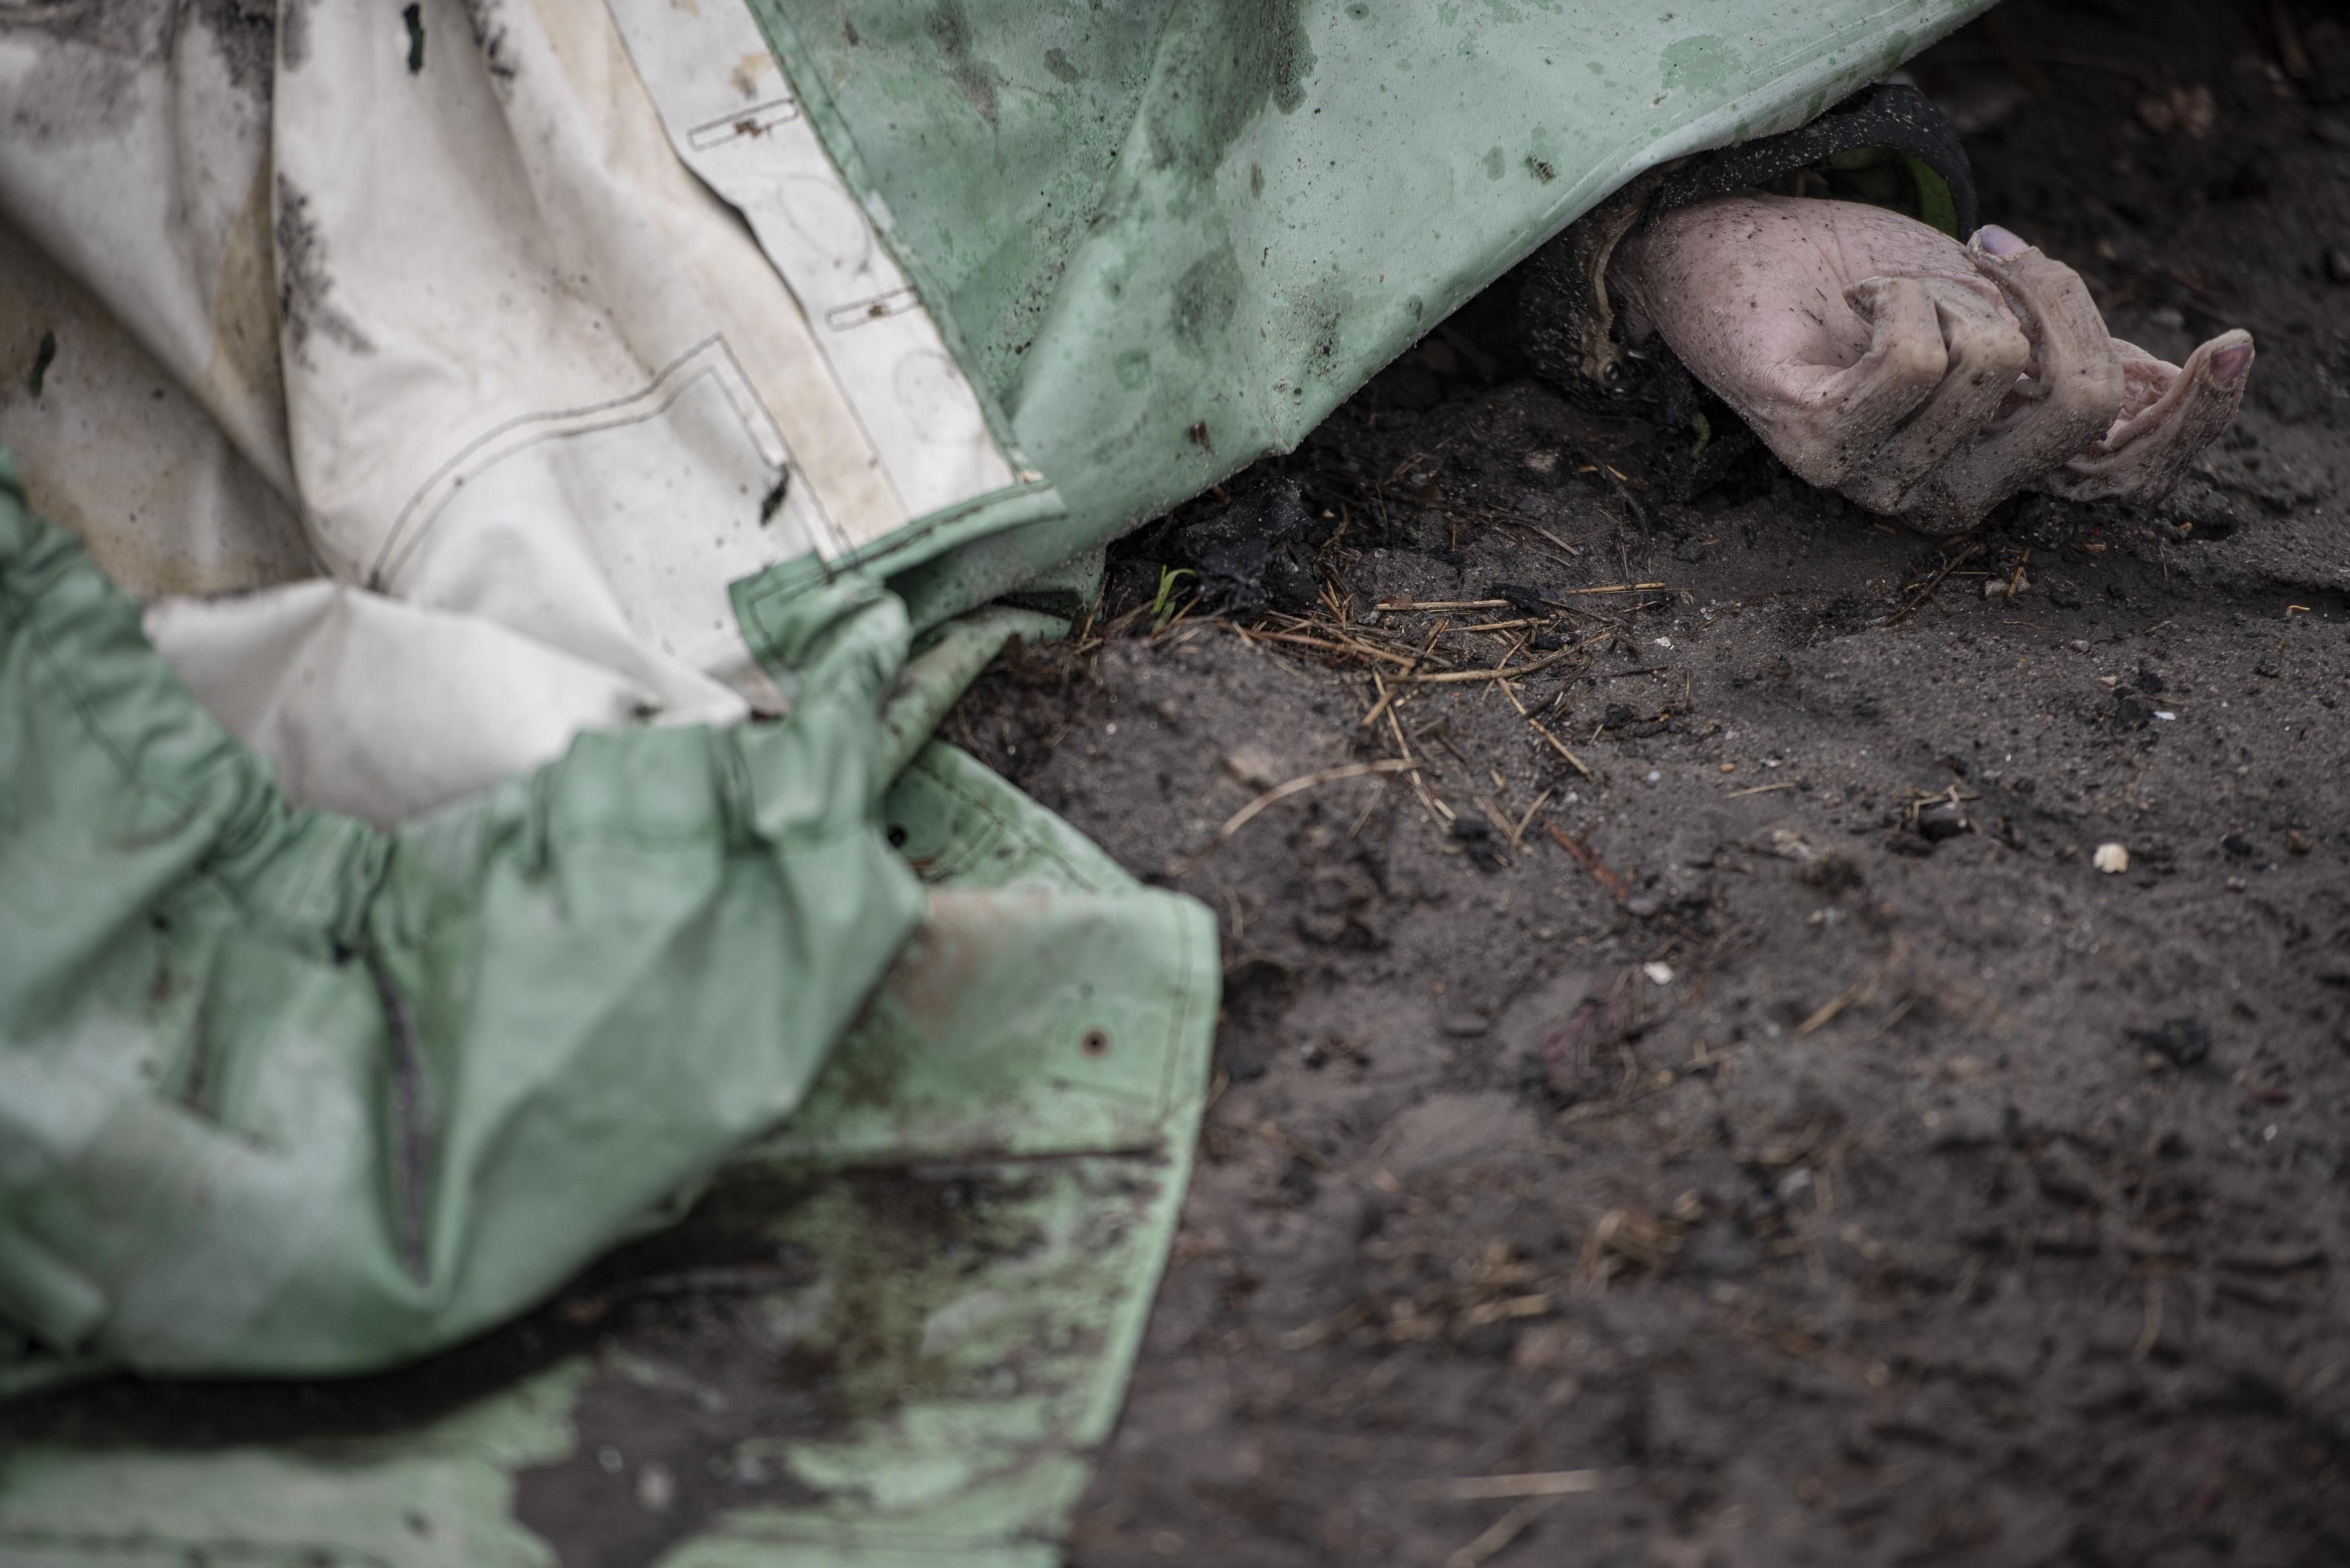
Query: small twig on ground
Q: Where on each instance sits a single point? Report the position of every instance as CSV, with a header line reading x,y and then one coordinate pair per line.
x,y
1495,814
1842,1000
1340,608
1436,809
1879,972
1571,551
1623,487
1764,789
1560,747
1518,833
1898,616
1360,649
1400,603
1280,792
1457,677
1588,858
1505,1529
1536,1483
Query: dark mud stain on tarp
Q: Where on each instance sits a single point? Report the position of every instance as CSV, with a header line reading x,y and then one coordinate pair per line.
x,y
1205,297
924,1235
489,38
697,1430
950,28
304,283
86,80
1219,73
697,1417
88,77
44,356
294,33
245,33
717,1344
687,1291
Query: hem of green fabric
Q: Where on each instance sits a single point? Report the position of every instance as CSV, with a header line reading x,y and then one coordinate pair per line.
x,y
777,609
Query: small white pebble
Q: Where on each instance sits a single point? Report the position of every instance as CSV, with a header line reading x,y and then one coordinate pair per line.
x,y
1657,973
2112,858
1664,642
2165,715
1654,775
1109,729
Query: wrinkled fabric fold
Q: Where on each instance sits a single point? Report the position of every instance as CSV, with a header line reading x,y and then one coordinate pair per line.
x,y
281,1093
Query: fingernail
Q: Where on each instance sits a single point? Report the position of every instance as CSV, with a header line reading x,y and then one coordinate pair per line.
x,y
1996,241
2232,361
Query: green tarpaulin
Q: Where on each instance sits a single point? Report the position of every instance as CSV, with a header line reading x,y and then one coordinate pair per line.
x,y
287,1092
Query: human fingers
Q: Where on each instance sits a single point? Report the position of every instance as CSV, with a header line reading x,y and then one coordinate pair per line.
x,y
2169,414
2067,398
1984,352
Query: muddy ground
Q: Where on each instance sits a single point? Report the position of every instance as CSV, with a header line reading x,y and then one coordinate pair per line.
x,y
1701,1102
1772,1106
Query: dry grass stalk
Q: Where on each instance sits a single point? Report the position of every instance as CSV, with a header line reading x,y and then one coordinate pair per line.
x,y
1642,1240
1504,1530
1560,747
1534,1483
1518,833
1280,792
1456,677
1358,648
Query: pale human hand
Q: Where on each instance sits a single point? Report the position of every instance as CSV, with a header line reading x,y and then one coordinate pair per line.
x,y
1921,377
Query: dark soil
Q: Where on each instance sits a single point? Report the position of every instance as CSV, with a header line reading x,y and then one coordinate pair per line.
x,y
1769,1113
1786,1117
